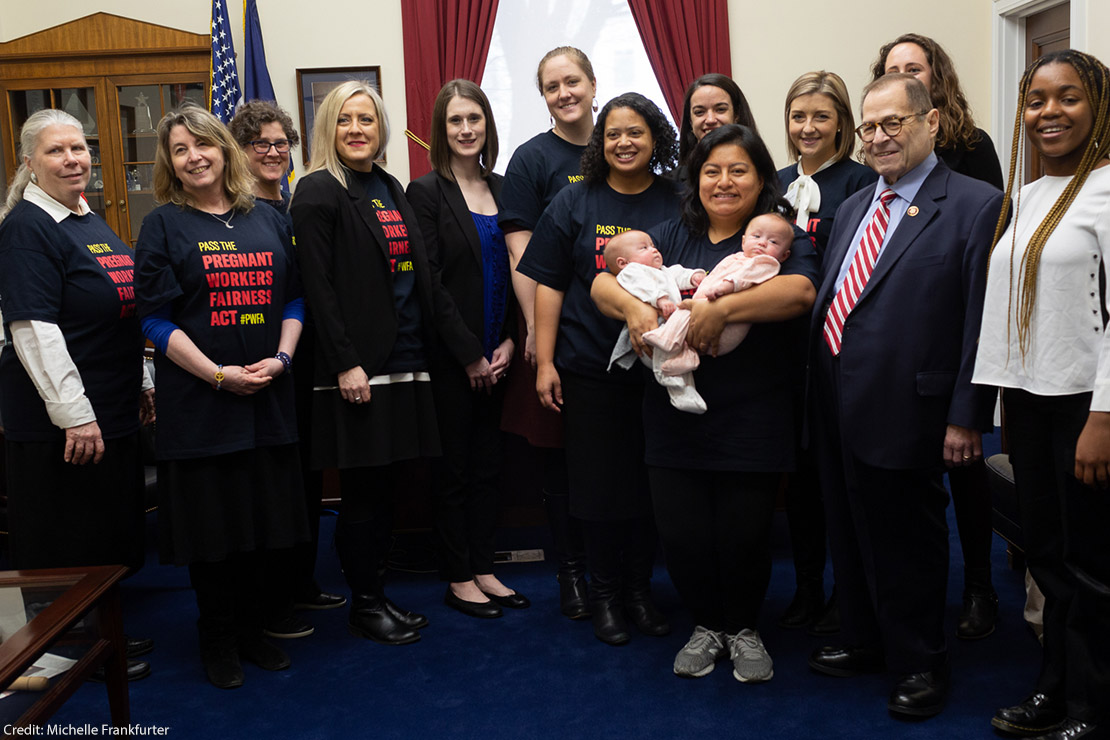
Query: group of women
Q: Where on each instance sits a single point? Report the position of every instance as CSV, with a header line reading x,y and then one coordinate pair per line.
x,y
469,304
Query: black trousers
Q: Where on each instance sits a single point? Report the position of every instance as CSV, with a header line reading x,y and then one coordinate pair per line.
x,y
467,478
1042,433
715,528
233,594
888,537
364,528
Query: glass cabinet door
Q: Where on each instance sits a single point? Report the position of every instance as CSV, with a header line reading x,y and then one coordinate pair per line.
x,y
140,109
80,102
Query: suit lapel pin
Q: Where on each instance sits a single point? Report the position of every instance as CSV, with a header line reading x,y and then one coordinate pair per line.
x,y
913,211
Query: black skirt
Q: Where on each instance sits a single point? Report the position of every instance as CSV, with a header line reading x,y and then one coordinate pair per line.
x,y
63,515
212,507
398,424
604,428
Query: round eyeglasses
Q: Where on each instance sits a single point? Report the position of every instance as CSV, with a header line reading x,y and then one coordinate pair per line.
x,y
891,126
262,146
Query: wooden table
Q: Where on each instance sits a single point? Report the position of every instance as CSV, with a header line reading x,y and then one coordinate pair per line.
x,y
83,614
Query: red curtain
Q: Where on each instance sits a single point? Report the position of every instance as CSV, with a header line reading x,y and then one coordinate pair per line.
x,y
443,39
684,39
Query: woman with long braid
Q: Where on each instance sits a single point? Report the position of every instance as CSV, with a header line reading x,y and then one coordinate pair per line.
x,y
1044,342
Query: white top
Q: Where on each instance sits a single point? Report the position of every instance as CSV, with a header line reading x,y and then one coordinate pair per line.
x,y
1068,350
650,284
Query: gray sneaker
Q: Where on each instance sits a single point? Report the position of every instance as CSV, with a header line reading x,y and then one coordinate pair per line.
x,y
698,657
750,661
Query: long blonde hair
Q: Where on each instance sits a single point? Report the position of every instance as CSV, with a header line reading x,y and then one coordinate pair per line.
x,y
1096,83
324,155
33,127
238,180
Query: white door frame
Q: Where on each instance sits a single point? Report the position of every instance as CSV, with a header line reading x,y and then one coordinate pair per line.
x,y
1008,27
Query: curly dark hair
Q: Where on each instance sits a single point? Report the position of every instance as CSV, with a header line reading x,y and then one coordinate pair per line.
x,y
594,167
740,108
251,116
770,198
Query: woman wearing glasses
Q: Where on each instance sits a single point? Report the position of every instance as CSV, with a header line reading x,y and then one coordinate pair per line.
x,y
969,151
266,134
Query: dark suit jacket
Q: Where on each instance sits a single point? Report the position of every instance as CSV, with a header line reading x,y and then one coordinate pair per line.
x,y
909,344
346,272
453,245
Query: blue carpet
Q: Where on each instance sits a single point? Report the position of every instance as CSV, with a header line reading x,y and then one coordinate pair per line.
x,y
535,674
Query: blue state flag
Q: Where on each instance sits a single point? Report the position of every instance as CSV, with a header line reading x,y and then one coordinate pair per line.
x,y
224,79
256,76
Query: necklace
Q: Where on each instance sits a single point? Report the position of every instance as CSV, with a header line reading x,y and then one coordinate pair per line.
x,y
226,223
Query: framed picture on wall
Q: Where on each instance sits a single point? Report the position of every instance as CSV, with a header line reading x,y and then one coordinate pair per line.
x,y
316,83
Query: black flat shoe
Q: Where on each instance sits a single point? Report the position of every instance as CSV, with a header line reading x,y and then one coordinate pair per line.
x,y
288,628
647,618
920,694
136,671
1071,729
412,620
137,646
482,610
574,596
1035,716
844,662
512,601
805,607
609,624
370,618
264,655
320,600
980,612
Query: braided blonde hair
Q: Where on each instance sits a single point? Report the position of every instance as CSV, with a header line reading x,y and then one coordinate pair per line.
x,y
1096,82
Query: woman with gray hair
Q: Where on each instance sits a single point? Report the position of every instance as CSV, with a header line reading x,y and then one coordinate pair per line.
x,y
70,384
216,282
378,309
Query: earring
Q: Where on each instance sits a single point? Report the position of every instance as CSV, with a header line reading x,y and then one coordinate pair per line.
x,y
552,121
34,178
595,105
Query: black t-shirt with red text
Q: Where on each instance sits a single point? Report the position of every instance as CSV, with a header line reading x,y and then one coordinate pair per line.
x,y
227,290
408,349
79,275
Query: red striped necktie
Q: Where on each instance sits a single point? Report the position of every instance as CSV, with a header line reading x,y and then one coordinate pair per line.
x,y
859,273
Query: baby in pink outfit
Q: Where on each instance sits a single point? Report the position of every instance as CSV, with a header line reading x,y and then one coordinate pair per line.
x,y
766,246
639,269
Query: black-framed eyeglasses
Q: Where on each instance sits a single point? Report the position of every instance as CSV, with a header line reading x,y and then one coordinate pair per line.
x,y
262,146
891,126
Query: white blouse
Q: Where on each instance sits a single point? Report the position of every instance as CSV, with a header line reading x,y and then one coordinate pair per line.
x,y
1068,350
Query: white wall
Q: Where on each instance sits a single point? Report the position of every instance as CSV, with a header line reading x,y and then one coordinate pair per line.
x,y
769,48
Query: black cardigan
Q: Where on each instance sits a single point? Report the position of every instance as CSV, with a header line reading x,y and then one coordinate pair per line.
x,y
347,278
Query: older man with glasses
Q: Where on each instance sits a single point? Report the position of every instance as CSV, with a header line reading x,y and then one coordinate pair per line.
x,y
893,341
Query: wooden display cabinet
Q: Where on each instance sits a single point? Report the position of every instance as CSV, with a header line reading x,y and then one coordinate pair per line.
x,y
118,77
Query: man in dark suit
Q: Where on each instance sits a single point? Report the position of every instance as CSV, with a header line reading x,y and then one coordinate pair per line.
x,y
892,350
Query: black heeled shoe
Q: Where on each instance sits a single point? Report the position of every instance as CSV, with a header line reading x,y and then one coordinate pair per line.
x,y
609,624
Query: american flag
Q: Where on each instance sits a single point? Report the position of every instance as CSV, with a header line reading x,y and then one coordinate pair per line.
x,y
222,74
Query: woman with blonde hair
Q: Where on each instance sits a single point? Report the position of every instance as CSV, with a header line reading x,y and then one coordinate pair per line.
x,y
820,133
217,290
1044,343
379,312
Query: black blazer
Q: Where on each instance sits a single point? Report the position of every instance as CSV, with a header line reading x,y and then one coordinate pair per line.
x,y
346,273
453,247
909,343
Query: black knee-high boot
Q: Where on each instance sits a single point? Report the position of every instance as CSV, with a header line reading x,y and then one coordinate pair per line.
x,y
603,555
638,559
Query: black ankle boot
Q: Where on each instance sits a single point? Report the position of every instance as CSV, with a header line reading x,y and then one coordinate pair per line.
x,y
372,619
566,536
806,607
609,624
